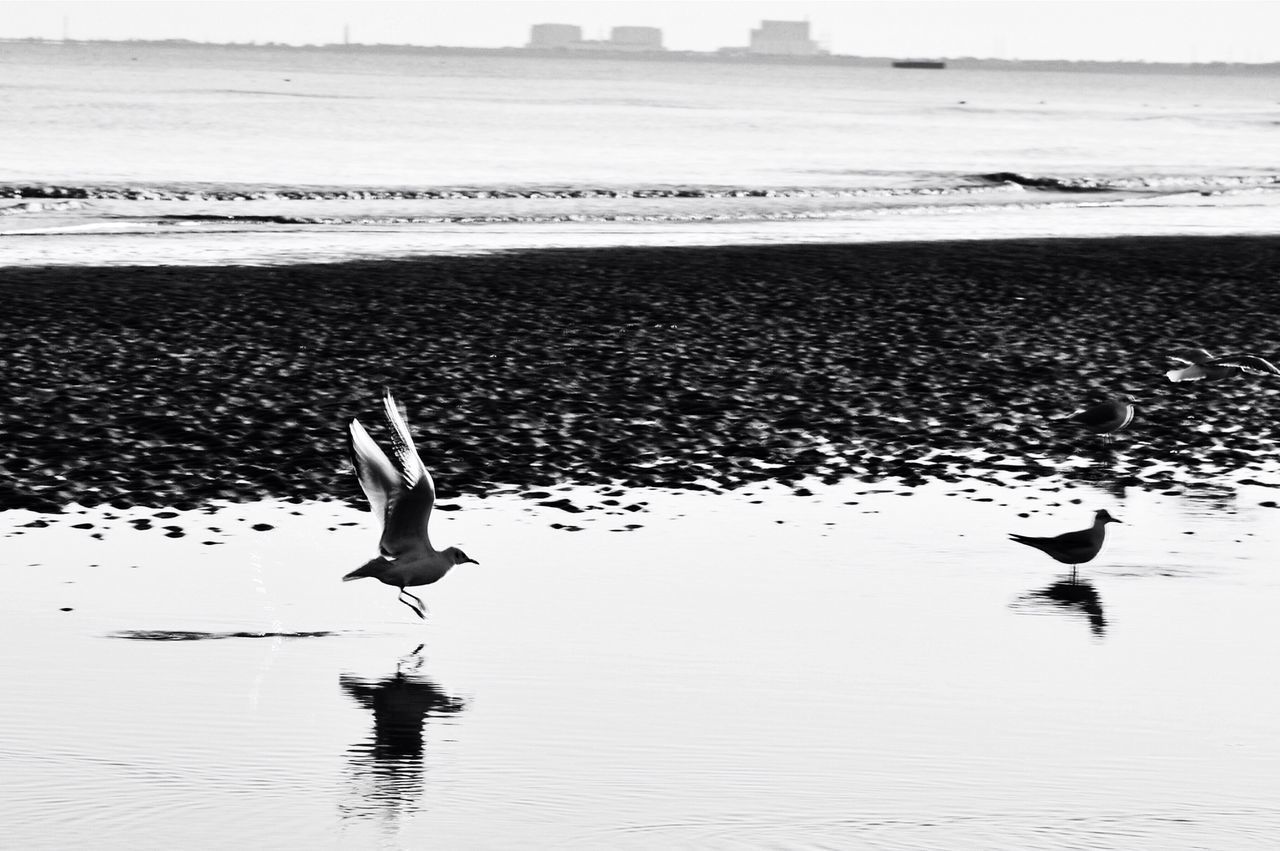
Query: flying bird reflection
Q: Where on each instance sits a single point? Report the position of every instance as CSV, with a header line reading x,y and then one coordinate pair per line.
x,y
388,768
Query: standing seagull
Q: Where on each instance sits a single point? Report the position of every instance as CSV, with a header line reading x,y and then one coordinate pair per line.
x,y
1105,419
1201,364
402,496
1072,548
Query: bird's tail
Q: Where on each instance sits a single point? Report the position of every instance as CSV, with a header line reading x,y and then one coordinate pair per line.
x,y
1021,539
372,567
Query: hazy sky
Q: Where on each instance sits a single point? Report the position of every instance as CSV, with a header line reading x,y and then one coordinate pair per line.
x,y
1151,30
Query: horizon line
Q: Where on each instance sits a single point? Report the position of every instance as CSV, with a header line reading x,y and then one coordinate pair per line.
x,y
723,52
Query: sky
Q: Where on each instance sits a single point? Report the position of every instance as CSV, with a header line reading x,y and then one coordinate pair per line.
x,y
1132,30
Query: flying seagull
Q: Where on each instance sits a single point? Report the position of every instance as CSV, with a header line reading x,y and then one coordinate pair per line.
x,y
401,495
1072,548
1201,365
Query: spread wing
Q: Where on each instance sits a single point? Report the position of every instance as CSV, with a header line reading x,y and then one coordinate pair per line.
x,y
410,510
378,478
1191,356
1250,364
411,466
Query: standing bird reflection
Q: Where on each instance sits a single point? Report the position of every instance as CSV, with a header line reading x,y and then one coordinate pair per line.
x,y
1073,548
401,495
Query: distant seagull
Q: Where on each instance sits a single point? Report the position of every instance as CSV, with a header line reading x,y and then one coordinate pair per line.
x,y
1204,365
1072,548
1105,419
402,496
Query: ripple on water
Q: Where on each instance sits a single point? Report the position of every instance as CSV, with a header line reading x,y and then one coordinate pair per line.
x,y
1171,831
188,635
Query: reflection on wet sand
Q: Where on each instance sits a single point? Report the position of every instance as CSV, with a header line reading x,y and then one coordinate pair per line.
x,y
1065,595
1206,498
1103,472
387,769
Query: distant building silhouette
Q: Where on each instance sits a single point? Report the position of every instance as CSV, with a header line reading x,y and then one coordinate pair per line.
x,y
569,37
783,38
644,38
554,35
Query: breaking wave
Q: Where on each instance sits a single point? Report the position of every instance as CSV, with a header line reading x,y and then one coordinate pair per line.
x,y
35,196
1154,183
45,222
456,193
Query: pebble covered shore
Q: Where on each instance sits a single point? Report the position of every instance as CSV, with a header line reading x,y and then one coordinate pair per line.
x,y
688,367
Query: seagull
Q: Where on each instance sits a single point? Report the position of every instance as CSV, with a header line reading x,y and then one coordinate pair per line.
x,y
1072,548
1201,364
1105,419
401,495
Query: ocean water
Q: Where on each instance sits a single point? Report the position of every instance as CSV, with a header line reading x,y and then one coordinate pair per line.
x,y
131,154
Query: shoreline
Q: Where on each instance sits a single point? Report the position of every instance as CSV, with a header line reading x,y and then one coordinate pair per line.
x,y
671,367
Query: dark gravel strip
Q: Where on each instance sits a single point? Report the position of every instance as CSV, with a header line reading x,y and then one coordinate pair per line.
x,y
679,367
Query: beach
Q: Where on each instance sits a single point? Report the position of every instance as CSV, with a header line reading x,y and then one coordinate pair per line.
x,y
733,379
685,368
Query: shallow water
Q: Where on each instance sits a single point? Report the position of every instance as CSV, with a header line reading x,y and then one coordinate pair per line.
x,y
868,666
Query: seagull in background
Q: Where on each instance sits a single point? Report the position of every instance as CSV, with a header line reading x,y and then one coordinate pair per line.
x,y
401,495
1203,365
1073,548
1105,419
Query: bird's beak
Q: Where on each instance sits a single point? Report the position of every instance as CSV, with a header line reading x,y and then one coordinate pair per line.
x,y
1113,519
472,561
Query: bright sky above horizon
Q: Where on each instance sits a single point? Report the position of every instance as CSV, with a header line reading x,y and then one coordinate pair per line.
x,y
1141,30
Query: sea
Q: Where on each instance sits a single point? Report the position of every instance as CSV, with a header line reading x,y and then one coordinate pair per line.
x,y
815,665
141,154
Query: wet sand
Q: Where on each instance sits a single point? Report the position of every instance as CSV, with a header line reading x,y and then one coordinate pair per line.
x,y
683,367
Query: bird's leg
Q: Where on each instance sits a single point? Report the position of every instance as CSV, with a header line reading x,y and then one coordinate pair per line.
x,y
1073,574
419,609
415,655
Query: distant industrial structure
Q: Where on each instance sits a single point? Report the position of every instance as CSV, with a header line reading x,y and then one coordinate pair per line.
x,y
552,36
783,38
772,38
569,37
